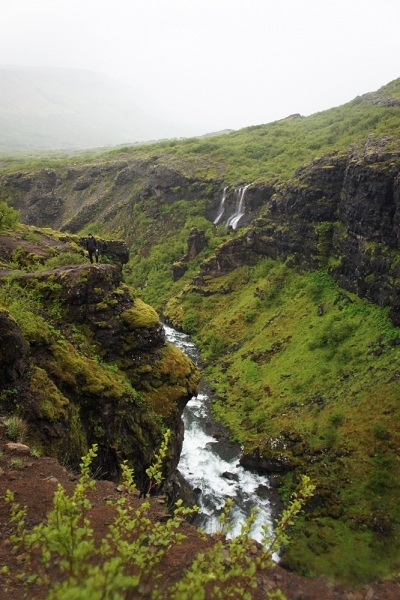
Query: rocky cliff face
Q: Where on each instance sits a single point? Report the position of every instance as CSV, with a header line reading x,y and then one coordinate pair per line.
x,y
83,360
339,211
107,191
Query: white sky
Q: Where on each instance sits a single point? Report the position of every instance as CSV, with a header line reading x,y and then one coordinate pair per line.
x,y
217,63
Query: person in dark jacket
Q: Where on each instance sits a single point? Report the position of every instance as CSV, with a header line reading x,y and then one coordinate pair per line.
x,y
91,247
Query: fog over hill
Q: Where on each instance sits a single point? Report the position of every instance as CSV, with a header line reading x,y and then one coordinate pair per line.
x,y
50,108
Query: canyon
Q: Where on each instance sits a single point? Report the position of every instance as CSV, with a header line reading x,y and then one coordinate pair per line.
x,y
289,286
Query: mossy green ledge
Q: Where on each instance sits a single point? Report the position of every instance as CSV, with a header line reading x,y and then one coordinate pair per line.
x,y
100,370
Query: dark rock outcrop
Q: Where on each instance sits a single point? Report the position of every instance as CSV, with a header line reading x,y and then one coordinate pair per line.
x,y
177,488
178,270
124,176
196,242
13,349
81,184
42,203
119,394
339,211
115,250
162,178
265,463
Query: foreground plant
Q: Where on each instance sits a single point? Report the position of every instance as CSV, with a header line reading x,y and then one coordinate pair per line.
x,y
129,555
231,562
16,428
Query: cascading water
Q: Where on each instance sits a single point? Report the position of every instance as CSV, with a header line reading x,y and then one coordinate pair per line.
x,y
240,207
221,206
204,460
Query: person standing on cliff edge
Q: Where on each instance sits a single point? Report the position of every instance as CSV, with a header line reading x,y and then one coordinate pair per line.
x,y
91,247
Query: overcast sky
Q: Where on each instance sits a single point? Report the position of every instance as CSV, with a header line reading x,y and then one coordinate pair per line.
x,y
217,63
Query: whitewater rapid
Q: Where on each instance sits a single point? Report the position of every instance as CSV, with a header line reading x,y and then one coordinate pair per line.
x,y
204,460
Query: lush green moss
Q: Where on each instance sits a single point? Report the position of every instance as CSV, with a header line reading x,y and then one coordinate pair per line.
x,y
8,216
172,378
140,315
326,375
70,396
53,404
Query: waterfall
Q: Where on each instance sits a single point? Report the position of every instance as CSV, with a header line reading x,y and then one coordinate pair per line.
x,y
240,207
211,466
221,206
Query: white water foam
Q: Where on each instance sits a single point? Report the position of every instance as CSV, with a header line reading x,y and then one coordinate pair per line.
x,y
221,206
204,460
240,207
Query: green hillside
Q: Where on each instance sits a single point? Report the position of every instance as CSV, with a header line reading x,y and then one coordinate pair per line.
x,y
264,151
279,148
289,379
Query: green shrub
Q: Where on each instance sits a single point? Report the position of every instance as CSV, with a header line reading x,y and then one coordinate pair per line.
x,y
190,323
379,480
65,258
30,237
318,283
380,431
249,404
130,553
16,463
333,333
336,419
215,346
8,216
331,435
250,316
16,428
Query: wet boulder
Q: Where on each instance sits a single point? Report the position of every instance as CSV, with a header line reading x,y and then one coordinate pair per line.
x,y
266,461
230,476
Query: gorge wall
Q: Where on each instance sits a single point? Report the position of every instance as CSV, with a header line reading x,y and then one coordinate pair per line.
x,y
83,360
305,374
340,211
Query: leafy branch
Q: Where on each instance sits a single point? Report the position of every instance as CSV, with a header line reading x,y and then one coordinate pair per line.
x,y
126,559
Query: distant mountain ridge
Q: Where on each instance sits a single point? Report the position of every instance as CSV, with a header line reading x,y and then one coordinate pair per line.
x,y
51,108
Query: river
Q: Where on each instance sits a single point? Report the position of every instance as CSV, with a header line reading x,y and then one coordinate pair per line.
x,y
204,460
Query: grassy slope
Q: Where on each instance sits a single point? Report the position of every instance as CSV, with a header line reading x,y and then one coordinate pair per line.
x,y
277,366
263,151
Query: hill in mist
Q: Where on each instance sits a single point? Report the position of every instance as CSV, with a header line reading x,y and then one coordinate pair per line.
x,y
50,108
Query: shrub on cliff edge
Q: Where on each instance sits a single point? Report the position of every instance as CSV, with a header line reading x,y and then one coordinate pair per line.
x,y
8,216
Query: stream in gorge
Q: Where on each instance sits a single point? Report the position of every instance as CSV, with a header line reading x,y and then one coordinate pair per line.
x,y
205,459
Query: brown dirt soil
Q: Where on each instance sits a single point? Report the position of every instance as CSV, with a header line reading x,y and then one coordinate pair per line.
x,y
34,485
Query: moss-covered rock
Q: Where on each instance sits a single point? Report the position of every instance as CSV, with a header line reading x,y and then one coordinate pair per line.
x,y
94,368
140,315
